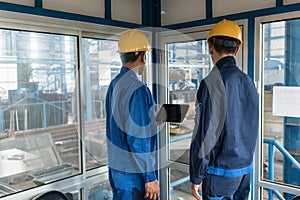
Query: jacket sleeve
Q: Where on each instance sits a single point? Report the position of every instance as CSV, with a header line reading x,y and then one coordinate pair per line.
x,y
199,160
141,133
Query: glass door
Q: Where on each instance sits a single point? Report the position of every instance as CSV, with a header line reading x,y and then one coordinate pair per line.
x,y
186,62
280,88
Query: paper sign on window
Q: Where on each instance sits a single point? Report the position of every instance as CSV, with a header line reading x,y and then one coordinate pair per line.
x,y
286,101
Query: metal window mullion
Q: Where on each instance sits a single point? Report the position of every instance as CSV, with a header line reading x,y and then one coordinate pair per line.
x,y
258,159
80,115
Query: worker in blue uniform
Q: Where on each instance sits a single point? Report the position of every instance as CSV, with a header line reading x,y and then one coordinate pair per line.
x,y
131,125
226,122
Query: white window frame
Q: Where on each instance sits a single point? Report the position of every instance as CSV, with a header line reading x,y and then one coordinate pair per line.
x,y
259,182
174,36
41,24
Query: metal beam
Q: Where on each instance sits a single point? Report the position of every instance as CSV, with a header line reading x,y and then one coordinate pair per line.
x,y
38,3
107,9
209,13
151,13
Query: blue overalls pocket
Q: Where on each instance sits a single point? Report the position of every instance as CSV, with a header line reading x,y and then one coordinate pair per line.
x,y
221,187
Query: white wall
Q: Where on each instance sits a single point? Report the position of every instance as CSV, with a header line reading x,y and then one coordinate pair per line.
x,y
121,10
21,2
286,2
173,11
93,8
221,7
179,11
127,10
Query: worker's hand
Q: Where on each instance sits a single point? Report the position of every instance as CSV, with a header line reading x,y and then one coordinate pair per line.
x,y
196,189
152,190
159,121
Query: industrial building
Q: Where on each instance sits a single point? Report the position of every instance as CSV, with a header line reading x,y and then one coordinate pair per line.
x,y
57,58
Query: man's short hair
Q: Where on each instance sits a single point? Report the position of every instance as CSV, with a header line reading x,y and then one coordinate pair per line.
x,y
130,57
223,44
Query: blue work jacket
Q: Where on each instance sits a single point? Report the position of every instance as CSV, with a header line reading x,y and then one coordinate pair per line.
x,y
226,123
131,127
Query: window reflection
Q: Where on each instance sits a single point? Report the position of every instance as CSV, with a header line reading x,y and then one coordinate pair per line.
x,y
101,191
100,64
180,185
38,124
188,64
281,132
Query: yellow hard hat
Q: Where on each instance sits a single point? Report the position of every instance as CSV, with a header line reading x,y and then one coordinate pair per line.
x,y
226,28
133,40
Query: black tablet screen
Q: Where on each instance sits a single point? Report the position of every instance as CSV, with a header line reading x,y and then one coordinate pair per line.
x,y
172,112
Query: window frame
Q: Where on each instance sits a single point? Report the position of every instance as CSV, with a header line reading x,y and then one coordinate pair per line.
x,y
178,36
41,24
260,183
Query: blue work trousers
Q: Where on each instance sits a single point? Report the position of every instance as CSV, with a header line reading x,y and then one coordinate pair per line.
x,y
126,186
226,188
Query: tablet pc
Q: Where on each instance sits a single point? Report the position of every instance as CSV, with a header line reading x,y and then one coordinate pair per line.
x,y
172,112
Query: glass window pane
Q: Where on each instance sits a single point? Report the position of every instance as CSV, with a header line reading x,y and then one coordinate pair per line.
x,y
101,191
101,63
180,185
188,64
281,132
269,194
38,123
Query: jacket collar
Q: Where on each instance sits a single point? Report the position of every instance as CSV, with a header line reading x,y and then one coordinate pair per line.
x,y
128,72
226,61
124,70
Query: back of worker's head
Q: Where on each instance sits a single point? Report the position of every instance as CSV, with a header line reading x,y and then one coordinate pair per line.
x,y
225,37
132,44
